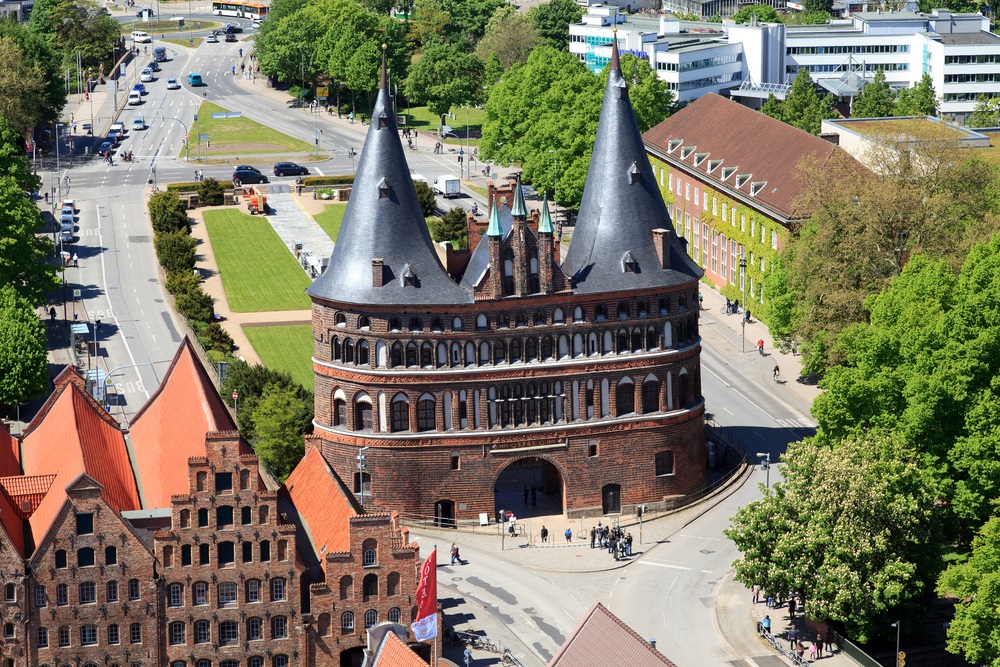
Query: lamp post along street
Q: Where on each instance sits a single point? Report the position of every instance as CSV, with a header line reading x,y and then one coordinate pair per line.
x,y
899,655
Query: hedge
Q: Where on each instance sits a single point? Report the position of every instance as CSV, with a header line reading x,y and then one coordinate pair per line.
x,y
346,179
183,187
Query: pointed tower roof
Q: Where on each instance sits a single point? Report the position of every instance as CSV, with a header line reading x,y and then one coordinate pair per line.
x,y
621,206
162,442
494,228
519,209
383,220
545,222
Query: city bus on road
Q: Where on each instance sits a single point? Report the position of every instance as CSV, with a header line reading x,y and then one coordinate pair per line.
x,y
243,10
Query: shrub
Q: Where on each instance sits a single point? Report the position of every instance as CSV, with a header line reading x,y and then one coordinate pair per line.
x,y
211,192
191,186
452,227
195,304
182,281
214,337
176,251
426,197
167,213
343,179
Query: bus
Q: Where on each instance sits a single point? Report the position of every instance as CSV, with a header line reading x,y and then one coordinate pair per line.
x,y
243,10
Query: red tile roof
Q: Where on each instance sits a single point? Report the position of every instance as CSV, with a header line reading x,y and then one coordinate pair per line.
x,y
601,633
322,503
171,428
767,149
70,435
25,492
392,652
9,465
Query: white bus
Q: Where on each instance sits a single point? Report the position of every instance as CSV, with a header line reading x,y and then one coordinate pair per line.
x,y
243,10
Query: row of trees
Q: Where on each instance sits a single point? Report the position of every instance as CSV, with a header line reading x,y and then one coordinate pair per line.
x,y
902,471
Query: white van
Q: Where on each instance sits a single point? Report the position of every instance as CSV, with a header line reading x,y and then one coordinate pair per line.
x,y
135,98
141,37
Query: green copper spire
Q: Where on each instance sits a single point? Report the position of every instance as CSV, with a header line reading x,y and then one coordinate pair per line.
x,y
494,229
545,223
519,209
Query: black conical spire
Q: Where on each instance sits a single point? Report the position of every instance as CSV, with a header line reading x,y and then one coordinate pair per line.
x,y
621,204
383,221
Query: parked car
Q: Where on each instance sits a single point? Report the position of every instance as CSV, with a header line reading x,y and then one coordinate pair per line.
x,y
289,169
173,84
105,147
212,39
230,37
146,76
230,28
246,167
67,212
69,203
245,176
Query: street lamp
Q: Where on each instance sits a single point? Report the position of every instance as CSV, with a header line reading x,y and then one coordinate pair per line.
x,y
743,287
97,326
362,458
900,656
766,465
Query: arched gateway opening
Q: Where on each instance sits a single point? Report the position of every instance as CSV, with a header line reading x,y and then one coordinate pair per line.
x,y
529,487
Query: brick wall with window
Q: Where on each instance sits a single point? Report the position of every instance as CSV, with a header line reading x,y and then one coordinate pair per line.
x,y
229,574
93,598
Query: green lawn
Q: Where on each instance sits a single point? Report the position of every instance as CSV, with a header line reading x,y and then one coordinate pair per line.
x,y
258,271
330,219
285,348
236,136
180,41
167,27
421,119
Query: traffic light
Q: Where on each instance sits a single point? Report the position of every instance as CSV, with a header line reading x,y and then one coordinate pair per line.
x,y
901,659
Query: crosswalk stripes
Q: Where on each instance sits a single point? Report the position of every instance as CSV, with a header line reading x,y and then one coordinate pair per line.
x,y
795,423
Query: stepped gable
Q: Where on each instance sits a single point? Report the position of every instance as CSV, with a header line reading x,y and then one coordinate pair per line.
x,y
621,206
171,427
324,509
71,435
602,633
383,221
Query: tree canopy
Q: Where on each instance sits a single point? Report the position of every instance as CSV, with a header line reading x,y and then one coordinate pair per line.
x,y
24,365
510,37
764,14
82,26
802,107
920,100
25,100
553,18
986,113
281,418
875,100
22,262
445,76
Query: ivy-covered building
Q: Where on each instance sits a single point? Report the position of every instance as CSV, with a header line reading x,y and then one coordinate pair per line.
x,y
732,180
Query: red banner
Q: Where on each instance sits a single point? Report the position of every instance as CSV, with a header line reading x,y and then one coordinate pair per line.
x,y
425,625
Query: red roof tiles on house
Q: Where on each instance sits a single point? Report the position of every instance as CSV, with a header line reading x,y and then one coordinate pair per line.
x,y
601,633
322,504
171,428
70,435
25,492
392,652
769,150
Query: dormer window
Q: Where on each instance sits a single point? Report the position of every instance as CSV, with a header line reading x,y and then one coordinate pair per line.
x,y
622,89
713,165
699,158
383,120
633,174
741,179
673,144
407,278
687,150
756,187
383,188
728,171
628,262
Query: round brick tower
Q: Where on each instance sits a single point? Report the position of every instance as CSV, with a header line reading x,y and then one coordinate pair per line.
x,y
447,396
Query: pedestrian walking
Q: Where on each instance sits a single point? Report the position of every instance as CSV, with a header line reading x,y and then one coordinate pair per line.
x,y
593,536
819,645
776,373
569,535
791,609
766,625
793,636
52,313
756,593
545,534
760,346
201,174
770,601
454,553
76,260
628,545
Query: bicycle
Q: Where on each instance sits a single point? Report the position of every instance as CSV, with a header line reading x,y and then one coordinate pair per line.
x,y
509,659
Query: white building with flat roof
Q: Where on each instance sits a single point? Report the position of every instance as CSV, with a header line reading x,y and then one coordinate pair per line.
x,y
750,61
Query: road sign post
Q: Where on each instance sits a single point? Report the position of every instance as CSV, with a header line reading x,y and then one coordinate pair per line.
x,y
236,403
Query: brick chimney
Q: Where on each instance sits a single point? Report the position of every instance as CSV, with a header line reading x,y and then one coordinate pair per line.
x,y
661,243
377,272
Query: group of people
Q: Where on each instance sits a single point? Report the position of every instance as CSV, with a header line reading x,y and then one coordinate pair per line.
x,y
199,175
127,156
797,642
615,540
107,156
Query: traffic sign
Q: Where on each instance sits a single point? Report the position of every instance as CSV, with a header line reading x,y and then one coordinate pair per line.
x,y
77,293
235,396
121,69
508,514
202,137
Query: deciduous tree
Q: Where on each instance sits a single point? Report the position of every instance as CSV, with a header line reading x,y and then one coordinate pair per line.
x,y
23,360
281,418
167,213
453,227
14,162
176,251
802,107
853,526
36,50
82,26
553,18
920,100
764,14
445,76
426,197
510,37
875,100
22,84
22,259
471,16
986,113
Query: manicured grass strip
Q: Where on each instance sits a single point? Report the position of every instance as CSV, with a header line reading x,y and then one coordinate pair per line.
x,y
237,136
184,42
330,219
166,26
423,120
285,348
258,271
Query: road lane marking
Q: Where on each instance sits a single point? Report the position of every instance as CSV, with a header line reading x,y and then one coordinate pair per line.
x,y
320,172
670,588
667,565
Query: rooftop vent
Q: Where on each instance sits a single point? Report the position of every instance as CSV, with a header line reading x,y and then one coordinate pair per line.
x,y
756,187
728,171
713,165
628,262
383,188
408,278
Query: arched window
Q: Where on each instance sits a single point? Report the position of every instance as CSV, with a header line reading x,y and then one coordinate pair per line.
x,y
363,353
279,661
547,347
664,306
363,413
557,316
425,413
577,345
396,355
371,618
202,632
322,625
400,413
530,350
369,550
600,313
277,589
650,395
199,593
593,346
637,339
175,595
563,346
482,322
348,351
578,314
607,343
411,355
394,324
416,324
395,615
364,322
381,354
515,351
502,321
499,352
60,559
522,319
484,353
392,584
339,412
533,286
508,272
258,661
175,633
369,587
651,339
85,557
436,325
340,319
625,397
227,594
10,593
470,354
538,318
427,355
457,324
456,354
442,355
347,622
621,341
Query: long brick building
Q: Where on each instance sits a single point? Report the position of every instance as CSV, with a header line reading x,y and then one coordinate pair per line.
x,y
438,393
165,546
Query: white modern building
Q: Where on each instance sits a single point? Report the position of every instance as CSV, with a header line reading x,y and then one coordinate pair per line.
x,y
750,61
